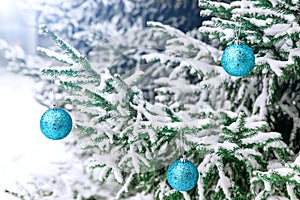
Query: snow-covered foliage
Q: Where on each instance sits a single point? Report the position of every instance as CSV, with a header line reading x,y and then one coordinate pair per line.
x,y
280,181
229,125
59,183
134,140
271,29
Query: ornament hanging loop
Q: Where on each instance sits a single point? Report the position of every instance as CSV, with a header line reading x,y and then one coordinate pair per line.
x,y
238,28
237,37
181,149
238,20
53,94
183,158
54,107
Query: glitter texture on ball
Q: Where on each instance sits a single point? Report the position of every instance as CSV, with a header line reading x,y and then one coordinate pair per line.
x,y
56,123
238,59
182,176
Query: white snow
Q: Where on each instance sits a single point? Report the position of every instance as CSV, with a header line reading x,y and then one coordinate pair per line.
x,y
56,55
291,192
170,29
130,81
118,175
186,196
229,34
260,102
224,182
277,29
258,22
284,171
156,56
125,186
260,137
102,174
270,12
205,12
24,150
129,6
241,92
275,144
297,161
254,125
226,145
277,198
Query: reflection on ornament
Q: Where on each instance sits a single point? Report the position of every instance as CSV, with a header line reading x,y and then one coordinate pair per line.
x,y
238,59
182,175
56,123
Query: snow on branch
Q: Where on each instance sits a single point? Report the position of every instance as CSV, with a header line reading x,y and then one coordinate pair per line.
x,y
136,159
288,176
224,182
109,164
59,57
125,186
171,30
69,50
188,44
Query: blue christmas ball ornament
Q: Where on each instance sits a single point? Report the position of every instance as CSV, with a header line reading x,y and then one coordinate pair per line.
x,y
182,175
238,59
56,123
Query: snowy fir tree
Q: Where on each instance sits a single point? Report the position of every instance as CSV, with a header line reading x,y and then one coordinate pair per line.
x,y
170,96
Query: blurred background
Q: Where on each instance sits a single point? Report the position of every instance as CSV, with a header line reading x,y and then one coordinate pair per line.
x,y
18,26
23,149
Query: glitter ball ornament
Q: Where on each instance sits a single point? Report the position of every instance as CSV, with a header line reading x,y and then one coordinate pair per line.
x,y
56,123
182,175
238,59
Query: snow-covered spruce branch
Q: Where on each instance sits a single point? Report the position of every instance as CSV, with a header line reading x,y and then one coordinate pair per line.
x,y
274,180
